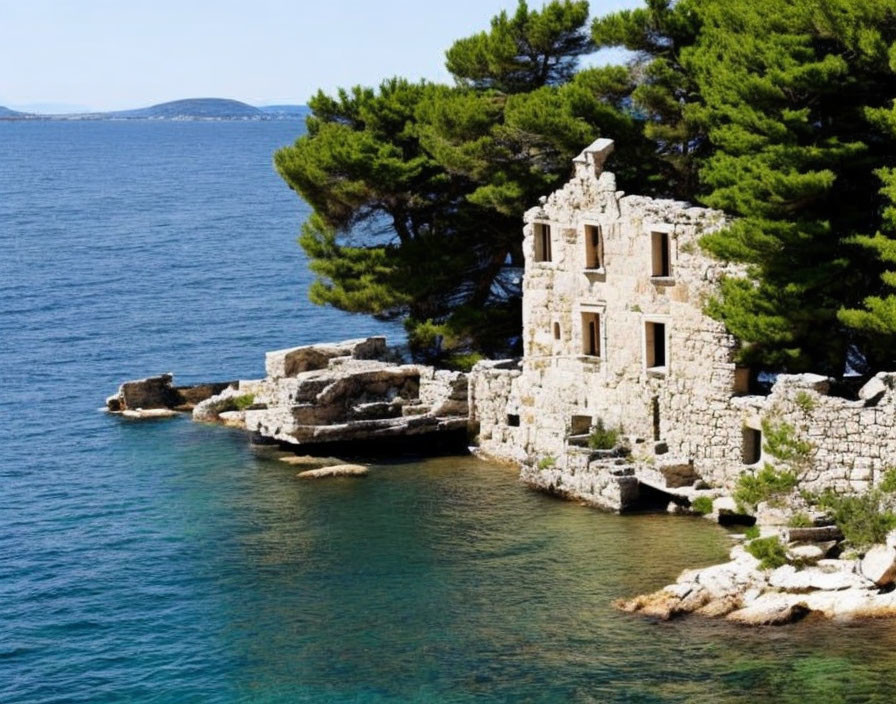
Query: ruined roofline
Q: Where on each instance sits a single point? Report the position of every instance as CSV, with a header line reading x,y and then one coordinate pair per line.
x,y
591,160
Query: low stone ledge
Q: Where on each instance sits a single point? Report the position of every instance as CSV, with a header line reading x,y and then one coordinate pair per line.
x,y
158,392
337,470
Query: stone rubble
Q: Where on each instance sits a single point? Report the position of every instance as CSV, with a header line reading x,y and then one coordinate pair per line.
x,y
346,392
743,592
157,397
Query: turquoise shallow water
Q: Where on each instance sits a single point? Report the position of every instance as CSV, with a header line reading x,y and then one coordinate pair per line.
x,y
164,562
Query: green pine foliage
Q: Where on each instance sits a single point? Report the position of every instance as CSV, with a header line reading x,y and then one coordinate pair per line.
x,y
782,114
417,189
786,93
665,91
523,51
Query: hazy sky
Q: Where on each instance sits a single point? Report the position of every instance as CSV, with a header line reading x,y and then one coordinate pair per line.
x,y
114,54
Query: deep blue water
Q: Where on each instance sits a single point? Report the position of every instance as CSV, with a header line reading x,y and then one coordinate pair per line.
x,y
164,562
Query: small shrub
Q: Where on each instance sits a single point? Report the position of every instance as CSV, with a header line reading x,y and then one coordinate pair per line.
x,y
888,482
782,443
603,438
244,401
770,552
800,520
864,519
702,505
805,401
751,533
546,462
463,362
768,484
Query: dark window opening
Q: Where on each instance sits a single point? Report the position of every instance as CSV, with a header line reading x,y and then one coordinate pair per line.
x,y
542,242
655,344
580,425
660,254
556,331
513,420
655,411
591,334
751,449
594,247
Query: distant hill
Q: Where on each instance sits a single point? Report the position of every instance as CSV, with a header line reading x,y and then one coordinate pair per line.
x,y
8,114
193,109
189,109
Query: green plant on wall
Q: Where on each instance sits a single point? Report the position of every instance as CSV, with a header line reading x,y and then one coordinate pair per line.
x,y
781,442
547,462
768,484
243,402
805,402
603,438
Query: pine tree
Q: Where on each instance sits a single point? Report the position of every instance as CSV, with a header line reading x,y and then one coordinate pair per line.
x,y
525,51
665,91
417,190
876,319
786,93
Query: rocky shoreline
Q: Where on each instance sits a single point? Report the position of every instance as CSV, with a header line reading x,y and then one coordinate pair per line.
x,y
747,590
317,399
350,399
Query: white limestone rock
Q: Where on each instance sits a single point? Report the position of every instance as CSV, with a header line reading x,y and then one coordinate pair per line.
x,y
148,413
336,470
788,578
805,553
771,609
210,409
879,565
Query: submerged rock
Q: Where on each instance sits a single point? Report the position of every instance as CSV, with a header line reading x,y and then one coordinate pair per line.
x,y
148,413
336,470
310,461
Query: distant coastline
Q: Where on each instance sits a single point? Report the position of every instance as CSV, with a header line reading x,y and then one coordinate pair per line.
x,y
213,109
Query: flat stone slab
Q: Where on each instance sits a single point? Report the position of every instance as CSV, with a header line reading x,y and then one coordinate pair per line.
x,y
338,470
311,462
148,413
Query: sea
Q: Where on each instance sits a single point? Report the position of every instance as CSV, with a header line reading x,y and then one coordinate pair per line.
x,y
164,561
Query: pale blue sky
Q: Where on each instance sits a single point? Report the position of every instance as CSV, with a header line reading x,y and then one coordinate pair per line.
x,y
115,54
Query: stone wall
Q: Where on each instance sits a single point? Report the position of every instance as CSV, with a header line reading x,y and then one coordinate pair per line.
x,y
851,443
614,332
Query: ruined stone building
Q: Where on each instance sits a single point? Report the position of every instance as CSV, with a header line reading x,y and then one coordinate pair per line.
x,y
615,335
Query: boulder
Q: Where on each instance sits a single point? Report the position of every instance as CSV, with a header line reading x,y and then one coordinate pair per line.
x,y
295,360
879,565
891,539
771,609
211,408
151,392
788,578
336,470
806,554
814,534
876,387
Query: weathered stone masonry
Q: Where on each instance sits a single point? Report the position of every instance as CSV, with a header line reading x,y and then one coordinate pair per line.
x,y
614,331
